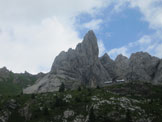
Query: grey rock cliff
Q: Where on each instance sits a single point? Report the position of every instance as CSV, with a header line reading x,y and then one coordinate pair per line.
x,y
82,63
109,65
122,66
158,73
74,67
142,67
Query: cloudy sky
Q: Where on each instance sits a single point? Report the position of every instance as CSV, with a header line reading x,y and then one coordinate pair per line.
x,y
33,32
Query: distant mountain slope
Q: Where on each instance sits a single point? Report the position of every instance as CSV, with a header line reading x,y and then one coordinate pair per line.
x,y
13,83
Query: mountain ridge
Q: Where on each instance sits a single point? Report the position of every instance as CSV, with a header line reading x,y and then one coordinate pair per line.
x,y
82,67
13,83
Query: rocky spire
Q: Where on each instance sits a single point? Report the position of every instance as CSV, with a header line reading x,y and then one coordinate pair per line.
x,y
89,45
85,52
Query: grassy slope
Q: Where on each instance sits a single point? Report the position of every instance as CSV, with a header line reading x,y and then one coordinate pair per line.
x,y
9,88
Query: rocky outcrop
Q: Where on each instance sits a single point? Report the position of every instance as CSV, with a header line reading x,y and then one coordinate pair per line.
x,y
142,67
122,66
158,73
25,111
79,66
4,74
109,65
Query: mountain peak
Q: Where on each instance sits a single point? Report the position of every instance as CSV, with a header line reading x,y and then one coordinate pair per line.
x,y
89,45
90,35
105,58
4,69
74,68
121,57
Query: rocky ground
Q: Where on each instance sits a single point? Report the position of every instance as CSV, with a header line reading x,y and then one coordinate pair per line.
x,y
125,102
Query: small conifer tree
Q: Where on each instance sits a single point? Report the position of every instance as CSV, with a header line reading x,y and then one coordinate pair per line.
x,y
62,87
92,117
128,116
79,88
98,87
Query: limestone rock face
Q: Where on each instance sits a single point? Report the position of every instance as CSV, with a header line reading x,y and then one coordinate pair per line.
x,y
44,85
109,65
142,67
122,66
80,66
158,74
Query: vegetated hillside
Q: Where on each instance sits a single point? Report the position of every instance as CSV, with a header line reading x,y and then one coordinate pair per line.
x,y
13,83
126,102
8,86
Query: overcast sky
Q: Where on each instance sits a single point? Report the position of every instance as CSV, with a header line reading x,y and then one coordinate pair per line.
x,y
34,32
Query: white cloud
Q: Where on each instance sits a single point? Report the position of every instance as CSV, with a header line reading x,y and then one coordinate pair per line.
x,y
93,25
32,33
151,11
39,46
120,5
158,50
27,10
116,51
146,43
145,40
